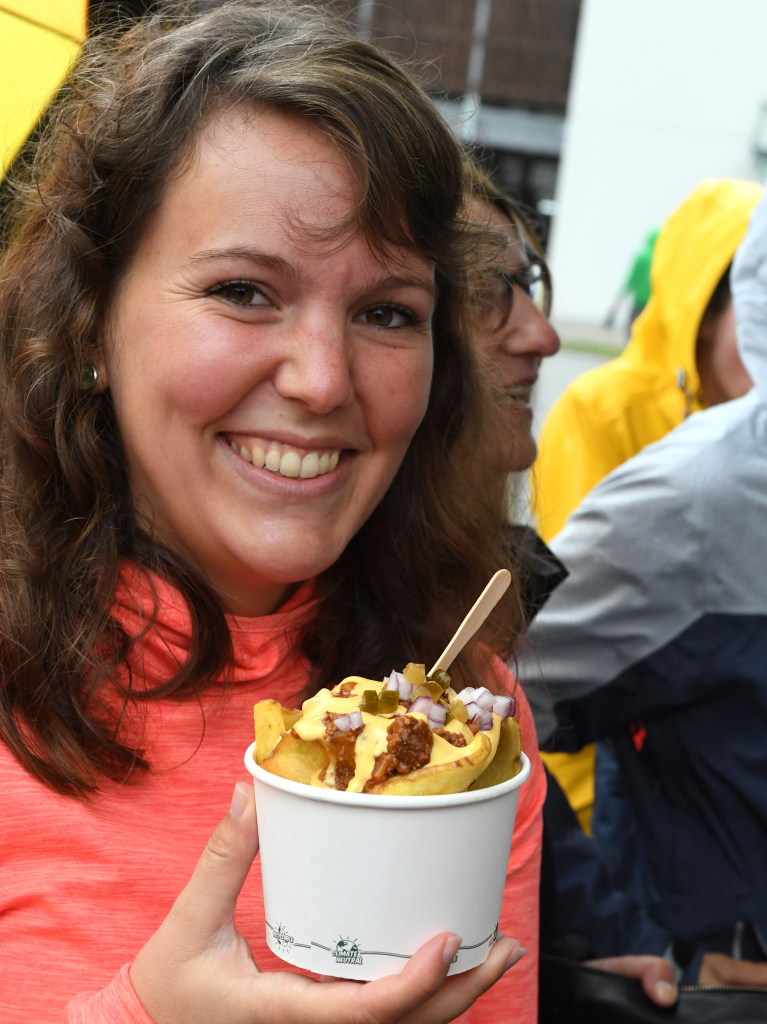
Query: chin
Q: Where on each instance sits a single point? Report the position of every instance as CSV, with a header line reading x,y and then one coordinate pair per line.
x,y
522,454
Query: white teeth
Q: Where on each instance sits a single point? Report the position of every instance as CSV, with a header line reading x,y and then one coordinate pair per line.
x,y
519,395
290,464
310,466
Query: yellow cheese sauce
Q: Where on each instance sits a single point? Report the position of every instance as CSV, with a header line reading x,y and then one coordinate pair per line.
x,y
372,740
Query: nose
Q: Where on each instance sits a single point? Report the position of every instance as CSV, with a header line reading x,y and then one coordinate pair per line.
x,y
527,332
317,367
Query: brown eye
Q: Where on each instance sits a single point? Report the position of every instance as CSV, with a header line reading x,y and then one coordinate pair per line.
x,y
385,316
242,294
381,317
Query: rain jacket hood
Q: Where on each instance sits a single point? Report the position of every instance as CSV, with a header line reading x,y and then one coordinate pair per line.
x,y
611,413
694,248
749,290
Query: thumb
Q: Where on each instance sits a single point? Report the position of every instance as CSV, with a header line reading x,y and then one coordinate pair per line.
x,y
208,902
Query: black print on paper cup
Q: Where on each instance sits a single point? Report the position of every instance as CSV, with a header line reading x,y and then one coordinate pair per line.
x,y
346,952
281,936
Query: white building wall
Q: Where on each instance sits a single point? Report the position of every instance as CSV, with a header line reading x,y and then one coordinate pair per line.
x,y
664,93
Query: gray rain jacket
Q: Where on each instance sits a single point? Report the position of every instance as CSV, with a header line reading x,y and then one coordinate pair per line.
x,y
658,639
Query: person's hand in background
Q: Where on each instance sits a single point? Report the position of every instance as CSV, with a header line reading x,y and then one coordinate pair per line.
x,y
719,969
655,973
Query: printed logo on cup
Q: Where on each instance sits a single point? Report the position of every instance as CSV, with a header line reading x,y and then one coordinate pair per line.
x,y
281,937
346,952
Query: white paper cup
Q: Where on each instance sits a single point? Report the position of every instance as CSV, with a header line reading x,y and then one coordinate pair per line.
x,y
354,883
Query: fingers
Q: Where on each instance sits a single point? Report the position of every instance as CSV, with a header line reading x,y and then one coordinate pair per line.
x,y
395,997
719,969
438,1004
462,990
378,1002
419,995
655,973
209,899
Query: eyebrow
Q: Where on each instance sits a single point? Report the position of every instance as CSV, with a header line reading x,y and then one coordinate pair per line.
x,y
263,259
426,283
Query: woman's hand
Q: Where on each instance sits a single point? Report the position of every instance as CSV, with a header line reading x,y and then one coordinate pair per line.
x,y
655,973
198,969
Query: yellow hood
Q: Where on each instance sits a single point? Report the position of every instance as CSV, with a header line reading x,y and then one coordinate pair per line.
x,y
694,248
610,413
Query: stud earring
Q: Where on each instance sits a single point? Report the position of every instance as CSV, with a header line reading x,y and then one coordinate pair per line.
x,y
88,377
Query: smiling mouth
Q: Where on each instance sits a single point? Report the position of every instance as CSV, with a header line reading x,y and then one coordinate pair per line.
x,y
284,460
518,394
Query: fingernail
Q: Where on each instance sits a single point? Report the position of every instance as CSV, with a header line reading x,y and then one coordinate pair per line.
x,y
239,799
514,957
666,992
451,948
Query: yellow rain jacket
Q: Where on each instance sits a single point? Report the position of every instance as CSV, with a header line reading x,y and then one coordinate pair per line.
x,y
610,413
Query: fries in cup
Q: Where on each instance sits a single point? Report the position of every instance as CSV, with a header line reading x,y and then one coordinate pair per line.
x,y
407,735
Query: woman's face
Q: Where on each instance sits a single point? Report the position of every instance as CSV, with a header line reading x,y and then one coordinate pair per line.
x,y
515,349
268,374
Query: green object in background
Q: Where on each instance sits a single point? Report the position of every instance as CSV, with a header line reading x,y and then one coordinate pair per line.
x,y
638,281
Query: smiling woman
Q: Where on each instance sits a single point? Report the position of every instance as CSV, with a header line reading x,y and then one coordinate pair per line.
x,y
240,431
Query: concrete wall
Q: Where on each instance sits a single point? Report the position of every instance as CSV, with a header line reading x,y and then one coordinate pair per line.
x,y
664,93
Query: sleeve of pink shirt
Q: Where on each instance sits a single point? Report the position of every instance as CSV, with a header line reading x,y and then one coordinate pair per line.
x,y
513,1000
115,1004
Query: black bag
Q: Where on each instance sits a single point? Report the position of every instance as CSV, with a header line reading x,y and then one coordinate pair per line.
x,y
572,993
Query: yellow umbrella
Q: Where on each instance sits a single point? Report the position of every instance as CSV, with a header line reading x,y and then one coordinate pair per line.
x,y
38,41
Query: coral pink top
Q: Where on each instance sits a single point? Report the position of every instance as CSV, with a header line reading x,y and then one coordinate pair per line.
x,y
84,883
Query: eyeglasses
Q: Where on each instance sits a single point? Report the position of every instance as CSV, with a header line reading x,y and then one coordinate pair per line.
x,y
496,297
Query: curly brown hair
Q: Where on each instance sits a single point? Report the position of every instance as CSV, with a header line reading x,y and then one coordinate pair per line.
x,y
122,124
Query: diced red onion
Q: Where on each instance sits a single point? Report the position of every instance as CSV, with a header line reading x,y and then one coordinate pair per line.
x,y
396,681
343,724
486,721
484,698
355,719
437,715
502,706
473,710
421,706
467,694
512,706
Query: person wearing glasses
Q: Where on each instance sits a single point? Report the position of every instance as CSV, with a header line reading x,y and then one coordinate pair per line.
x,y
512,336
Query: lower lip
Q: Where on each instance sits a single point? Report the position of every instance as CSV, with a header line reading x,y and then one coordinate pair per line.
x,y
291,487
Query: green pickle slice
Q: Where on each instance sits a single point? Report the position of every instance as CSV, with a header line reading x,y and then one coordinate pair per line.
x,y
459,712
388,702
420,691
441,677
369,702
